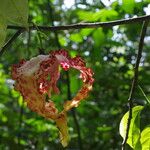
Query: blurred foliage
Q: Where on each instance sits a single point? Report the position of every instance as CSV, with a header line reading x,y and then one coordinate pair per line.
x,y
110,52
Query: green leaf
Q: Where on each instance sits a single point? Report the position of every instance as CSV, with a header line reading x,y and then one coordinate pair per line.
x,y
20,101
85,15
76,37
86,32
145,138
62,41
134,131
105,15
3,28
99,37
15,11
128,5
102,15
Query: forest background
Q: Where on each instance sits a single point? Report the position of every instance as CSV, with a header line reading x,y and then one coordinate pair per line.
x,y
110,50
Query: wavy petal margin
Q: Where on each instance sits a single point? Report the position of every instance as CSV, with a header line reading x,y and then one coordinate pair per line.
x,y
38,77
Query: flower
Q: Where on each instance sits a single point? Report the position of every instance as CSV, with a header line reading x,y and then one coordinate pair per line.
x,y
38,76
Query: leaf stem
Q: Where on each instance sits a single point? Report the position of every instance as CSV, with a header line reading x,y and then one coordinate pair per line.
x,y
135,80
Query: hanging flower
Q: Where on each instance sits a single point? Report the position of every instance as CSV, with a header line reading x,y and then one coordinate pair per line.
x,y
38,76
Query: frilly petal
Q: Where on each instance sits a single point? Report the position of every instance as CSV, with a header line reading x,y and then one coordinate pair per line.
x,y
38,77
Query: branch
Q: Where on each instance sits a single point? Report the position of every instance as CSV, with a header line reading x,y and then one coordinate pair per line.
x,y
86,25
135,80
8,43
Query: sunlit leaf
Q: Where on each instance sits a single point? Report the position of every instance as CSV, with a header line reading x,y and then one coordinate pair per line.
x,y
134,132
86,32
76,37
102,15
62,41
105,14
128,5
145,138
20,101
85,15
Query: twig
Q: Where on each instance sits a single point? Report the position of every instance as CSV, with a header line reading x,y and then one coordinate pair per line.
x,y
135,80
8,43
74,113
86,25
